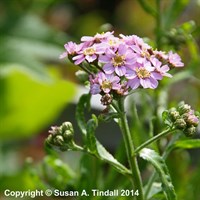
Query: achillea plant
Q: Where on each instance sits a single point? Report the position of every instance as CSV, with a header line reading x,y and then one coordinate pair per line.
x,y
114,68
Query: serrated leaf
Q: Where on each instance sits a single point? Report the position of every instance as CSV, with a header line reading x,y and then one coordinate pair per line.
x,y
84,102
97,149
160,166
90,136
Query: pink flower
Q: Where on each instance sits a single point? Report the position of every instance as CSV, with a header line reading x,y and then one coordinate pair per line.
x,y
117,61
97,38
121,64
71,49
161,55
174,59
88,53
160,70
132,40
104,83
143,75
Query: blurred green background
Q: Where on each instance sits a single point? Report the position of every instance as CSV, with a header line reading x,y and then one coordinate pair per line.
x,y
37,89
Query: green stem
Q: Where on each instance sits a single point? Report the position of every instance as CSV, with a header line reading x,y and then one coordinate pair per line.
x,y
153,139
147,7
136,177
158,24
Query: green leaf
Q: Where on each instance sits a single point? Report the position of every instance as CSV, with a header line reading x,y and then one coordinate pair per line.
x,y
187,144
84,103
160,166
90,174
57,174
165,118
173,11
104,155
155,189
147,7
96,148
91,140
30,104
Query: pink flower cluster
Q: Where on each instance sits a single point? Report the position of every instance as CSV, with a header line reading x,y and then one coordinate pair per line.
x,y
123,63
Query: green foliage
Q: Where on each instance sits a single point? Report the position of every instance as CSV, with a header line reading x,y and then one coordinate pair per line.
x,y
187,144
29,103
84,102
173,11
92,145
160,166
90,174
57,173
90,134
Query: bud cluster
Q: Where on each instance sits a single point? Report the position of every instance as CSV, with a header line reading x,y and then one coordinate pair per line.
x,y
61,136
184,118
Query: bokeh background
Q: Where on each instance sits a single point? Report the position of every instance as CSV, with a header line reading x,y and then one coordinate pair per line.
x,y
38,90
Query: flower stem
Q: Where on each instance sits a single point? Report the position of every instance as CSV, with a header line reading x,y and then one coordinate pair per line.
x,y
136,177
156,137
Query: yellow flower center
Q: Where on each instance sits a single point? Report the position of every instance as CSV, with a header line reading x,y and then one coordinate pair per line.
x,y
145,53
142,73
106,85
118,60
89,51
112,42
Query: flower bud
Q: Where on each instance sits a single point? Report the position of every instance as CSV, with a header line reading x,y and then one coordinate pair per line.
x,y
58,140
68,135
49,139
190,131
192,120
180,123
67,126
106,99
184,108
55,130
174,115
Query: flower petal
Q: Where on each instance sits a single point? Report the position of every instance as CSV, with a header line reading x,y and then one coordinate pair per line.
x,y
108,68
120,71
134,83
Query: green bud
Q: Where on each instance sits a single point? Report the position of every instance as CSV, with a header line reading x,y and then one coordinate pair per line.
x,y
68,135
174,115
180,123
67,126
190,131
58,140
184,108
49,139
